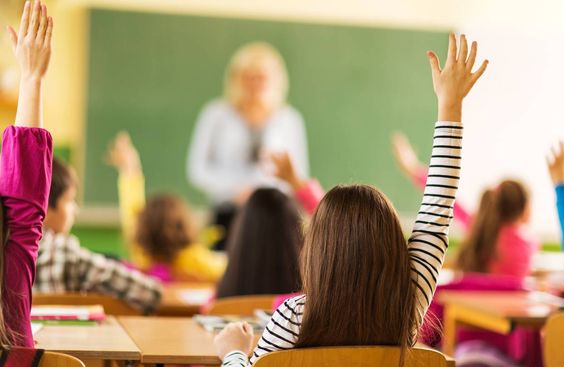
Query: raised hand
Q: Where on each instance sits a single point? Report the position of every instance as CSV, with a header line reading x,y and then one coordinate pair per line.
x,y
555,162
32,48
405,155
284,169
235,336
456,79
123,155
32,44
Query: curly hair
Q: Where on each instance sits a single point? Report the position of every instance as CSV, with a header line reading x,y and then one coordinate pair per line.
x,y
164,227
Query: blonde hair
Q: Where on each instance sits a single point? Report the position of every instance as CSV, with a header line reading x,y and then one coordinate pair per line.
x,y
244,58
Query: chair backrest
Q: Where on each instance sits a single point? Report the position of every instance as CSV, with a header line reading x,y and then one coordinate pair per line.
x,y
241,305
52,359
554,334
377,356
112,306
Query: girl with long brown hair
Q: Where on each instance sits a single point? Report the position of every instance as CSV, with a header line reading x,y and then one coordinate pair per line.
x,y
363,283
25,176
497,239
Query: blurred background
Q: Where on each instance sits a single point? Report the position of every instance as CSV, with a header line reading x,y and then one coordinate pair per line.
x,y
357,73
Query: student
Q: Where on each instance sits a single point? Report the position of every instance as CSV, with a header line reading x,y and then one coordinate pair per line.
x,y
556,169
267,237
160,233
25,175
497,239
363,284
64,266
263,247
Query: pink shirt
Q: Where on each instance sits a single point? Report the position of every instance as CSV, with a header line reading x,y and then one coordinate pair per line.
x,y
515,246
25,178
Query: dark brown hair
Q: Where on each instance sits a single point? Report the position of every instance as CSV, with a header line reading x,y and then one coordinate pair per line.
x,y
498,207
164,227
63,178
264,247
356,273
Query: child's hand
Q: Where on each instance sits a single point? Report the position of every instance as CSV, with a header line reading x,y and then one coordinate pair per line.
x,y
556,164
405,155
284,169
453,83
123,155
235,336
32,44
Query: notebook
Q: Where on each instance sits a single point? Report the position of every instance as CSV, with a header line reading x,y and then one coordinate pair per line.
x,y
68,313
217,323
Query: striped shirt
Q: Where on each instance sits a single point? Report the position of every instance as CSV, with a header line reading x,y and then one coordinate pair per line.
x,y
427,246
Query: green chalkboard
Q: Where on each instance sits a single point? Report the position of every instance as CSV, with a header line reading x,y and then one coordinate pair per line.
x,y
151,74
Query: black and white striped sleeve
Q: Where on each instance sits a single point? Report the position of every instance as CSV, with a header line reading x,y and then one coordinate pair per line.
x,y
429,240
281,333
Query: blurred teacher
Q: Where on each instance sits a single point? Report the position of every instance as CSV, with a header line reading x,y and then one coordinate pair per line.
x,y
231,134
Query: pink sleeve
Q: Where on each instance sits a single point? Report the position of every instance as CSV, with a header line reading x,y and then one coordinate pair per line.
x,y
25,179
309,195
461,214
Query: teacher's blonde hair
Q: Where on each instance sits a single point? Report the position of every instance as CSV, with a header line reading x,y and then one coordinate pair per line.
x,y
244,58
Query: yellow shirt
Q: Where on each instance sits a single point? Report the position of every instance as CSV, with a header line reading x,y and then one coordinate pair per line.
x,y
195,262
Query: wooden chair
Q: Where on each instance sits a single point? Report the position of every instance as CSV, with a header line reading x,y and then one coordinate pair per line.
x,y
554,334
112,306
242,305
352,357
52,359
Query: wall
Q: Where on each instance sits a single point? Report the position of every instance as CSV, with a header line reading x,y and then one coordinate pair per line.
x,y
517,104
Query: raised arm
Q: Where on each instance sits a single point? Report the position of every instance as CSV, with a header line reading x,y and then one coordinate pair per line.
x,y
131,191
556,169
25,172
409,163
429,240
308,192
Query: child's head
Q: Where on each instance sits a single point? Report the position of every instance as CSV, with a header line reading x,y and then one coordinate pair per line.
x,y
356,272
164,227
264,247
62,198
507,204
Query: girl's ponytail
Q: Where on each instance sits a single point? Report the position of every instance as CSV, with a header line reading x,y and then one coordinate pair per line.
x,y
498,207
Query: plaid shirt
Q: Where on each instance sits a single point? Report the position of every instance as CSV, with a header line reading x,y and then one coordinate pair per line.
x,y
64,266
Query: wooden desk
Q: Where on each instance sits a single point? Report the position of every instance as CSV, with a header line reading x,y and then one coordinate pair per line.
x,y
176,303
107,341
500,312
164,340
184,342
547,262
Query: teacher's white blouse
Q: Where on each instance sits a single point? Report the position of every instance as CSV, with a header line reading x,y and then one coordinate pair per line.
x,y
220,156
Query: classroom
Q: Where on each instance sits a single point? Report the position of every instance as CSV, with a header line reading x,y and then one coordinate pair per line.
x,y
290,183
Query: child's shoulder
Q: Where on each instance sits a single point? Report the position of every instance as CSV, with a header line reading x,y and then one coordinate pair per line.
x,y
294,304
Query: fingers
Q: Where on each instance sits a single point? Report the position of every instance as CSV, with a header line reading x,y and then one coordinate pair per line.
x,y
13,37
49,32
34,22
24,24
472,56
479,72
435,64
451,57
40,38
463,52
